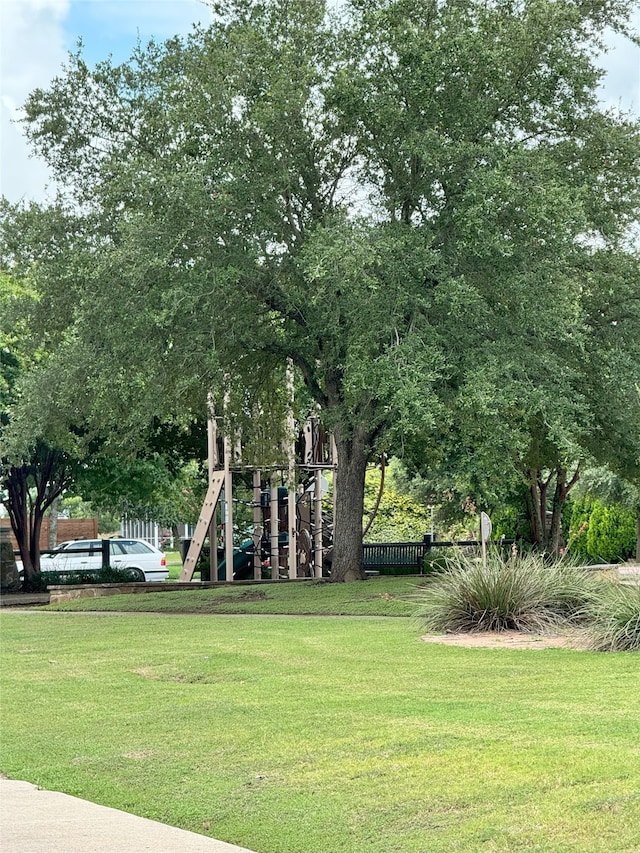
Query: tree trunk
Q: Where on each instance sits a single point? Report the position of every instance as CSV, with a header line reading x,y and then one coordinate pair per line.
x,y
547,537
22,522
536,499
53,522
353,453
19,515
31,488
376,506
559,499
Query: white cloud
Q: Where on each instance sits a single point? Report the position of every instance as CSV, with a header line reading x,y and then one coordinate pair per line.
x,y
621,87
32,50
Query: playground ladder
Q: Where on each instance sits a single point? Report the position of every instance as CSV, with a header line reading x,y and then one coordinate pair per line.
x,y
202,527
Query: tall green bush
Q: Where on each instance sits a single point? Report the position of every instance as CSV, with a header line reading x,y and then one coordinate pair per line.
x,y
601,532
612,533
579,525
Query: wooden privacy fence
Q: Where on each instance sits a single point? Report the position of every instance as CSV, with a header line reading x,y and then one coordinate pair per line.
x,y
67,528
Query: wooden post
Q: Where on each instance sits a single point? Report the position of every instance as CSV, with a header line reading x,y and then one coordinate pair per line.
x,y
212,458
258,522
274,530
317,525
292,523
228,504
485,535
334,467
106,553
203,525
292,516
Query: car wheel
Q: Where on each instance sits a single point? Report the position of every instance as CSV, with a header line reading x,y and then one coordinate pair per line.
x,y
137,575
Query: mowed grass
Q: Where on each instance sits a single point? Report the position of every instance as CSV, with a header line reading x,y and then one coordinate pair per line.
x,y
325,735
378,596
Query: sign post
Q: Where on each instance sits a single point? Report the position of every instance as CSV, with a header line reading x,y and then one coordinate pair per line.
x,y
485,535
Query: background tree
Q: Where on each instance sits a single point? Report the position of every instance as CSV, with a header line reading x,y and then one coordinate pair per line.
x,y
399,516
33,472
46,451
165,483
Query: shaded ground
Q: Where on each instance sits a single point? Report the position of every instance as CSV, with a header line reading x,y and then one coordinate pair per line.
x,y
23,599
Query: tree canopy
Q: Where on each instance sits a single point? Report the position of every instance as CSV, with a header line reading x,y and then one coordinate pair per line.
x,y
33,470
422,205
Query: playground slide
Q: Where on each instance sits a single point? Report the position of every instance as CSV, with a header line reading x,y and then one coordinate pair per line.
x,y
242,563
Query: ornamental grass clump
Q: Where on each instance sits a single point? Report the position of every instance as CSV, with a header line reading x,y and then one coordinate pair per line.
x,y
615,619
522,593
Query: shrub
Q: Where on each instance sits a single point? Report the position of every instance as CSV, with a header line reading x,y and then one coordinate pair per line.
x,y
522,593
579,525
615,619
435,561
612,533
601,532
510,519
73,577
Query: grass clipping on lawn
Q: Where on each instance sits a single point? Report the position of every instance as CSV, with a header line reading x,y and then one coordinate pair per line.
x,y
523,594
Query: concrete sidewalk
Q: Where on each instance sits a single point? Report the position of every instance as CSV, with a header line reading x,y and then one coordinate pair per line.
x,y
36,821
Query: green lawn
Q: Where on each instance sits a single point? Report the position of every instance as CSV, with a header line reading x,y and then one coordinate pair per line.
x,y
325,735
380,596
174,564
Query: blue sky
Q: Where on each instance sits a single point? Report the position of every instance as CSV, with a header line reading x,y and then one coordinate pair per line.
x,y
111,26
36,36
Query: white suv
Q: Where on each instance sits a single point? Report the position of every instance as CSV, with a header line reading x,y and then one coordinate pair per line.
x,y
145,562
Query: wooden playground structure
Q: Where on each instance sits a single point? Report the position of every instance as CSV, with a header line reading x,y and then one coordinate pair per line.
x,y
290,535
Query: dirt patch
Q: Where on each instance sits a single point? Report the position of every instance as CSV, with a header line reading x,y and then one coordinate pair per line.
x,y
511,640
252,595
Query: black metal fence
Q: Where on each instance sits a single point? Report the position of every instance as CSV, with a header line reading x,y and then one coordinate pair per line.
x,y
407,555
395,555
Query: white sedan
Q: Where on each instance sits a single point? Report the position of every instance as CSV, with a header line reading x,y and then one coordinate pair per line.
x,y
145,562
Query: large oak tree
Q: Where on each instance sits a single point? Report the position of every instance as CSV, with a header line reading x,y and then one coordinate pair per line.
x,y
387,196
